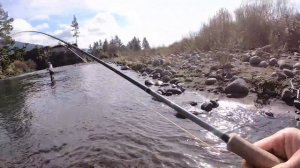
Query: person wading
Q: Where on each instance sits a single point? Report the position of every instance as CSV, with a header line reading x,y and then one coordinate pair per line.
x,y
51,72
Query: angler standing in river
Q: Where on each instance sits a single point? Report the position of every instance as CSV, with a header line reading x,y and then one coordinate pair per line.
x,y
51,72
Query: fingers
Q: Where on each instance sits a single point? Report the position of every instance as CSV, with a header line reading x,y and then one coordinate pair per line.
x,y
274,144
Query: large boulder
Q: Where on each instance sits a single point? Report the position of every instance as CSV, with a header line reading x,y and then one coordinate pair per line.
x,y
255,60
263,64
273,62
210,81
237,89
288,73
284,65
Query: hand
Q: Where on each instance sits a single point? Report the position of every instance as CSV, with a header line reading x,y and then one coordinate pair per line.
x,y
284,144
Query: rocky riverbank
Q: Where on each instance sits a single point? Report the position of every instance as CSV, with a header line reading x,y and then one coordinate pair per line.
x,y
262,73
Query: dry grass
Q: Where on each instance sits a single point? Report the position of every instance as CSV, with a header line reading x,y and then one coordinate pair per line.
x,y
257,23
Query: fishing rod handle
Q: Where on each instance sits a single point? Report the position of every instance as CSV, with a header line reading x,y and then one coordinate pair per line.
x,y
251,153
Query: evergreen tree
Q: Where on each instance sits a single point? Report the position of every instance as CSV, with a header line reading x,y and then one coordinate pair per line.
x,y
75,27
105,46
145,44
5,26
134,44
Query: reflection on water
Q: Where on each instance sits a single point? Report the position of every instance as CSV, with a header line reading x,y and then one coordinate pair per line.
x,y
91,117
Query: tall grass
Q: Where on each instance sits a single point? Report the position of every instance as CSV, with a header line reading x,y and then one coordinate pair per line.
x,y
254,24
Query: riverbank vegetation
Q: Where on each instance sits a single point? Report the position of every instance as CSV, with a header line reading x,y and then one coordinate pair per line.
x,y
252,51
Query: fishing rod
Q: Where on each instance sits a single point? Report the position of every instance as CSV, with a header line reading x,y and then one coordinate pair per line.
x,y
236,144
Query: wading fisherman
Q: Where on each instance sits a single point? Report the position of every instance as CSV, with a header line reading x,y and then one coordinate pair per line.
x,y
51,72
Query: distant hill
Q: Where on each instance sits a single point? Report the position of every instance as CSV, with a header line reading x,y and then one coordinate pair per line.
x,y
29,46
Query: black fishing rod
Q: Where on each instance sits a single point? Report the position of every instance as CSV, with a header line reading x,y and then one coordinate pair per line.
x,y
236,144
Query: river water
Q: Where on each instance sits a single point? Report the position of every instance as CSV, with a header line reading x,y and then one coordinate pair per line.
x,y
92,117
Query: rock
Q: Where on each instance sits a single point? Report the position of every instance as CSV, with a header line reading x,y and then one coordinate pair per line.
x,y
210,81
207,106
173,81
297,104
144,74
166,73
283,65
178,115
138,67
246,58
164,84
288,73
296,72
156,76
124,67
297,66
227,66
273,62
148,70
237,89
269,114
287,96
214,103
281,76
174,91
158,70
188,80
214,67
274,74
156,62
158,83
255,60
267,48
263,64
149,82
166,78
193,103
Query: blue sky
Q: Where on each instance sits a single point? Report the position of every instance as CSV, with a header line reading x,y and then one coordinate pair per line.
x,y
161,21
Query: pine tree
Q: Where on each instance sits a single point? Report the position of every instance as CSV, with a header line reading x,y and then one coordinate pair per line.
x,y
75,27
145,44
105,46
134,44
5,26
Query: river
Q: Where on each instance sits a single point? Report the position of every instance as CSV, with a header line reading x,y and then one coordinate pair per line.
x,y
92,117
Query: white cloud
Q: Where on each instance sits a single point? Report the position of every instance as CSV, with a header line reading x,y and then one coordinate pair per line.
x,y
42,26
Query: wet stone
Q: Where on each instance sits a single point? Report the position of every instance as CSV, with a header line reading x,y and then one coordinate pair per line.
x,y
193,103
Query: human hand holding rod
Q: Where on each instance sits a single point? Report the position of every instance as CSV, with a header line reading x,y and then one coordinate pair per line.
x,y
284,144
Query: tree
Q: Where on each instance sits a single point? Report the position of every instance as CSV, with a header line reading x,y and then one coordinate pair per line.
x,y
134,44
105,46
75,27
5,26
145,44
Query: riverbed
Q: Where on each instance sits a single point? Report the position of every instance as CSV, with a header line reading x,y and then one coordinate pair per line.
x,y
91,117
